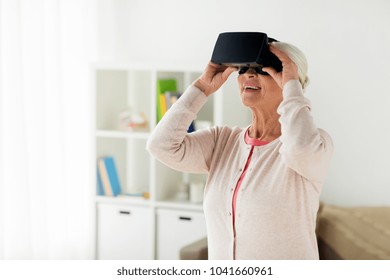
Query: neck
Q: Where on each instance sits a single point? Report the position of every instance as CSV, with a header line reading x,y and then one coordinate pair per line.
x,y
265,125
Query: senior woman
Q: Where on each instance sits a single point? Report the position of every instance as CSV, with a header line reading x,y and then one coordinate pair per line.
x,y
262,193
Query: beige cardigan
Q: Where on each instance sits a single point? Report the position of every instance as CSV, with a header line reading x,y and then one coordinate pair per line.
x,y
279,197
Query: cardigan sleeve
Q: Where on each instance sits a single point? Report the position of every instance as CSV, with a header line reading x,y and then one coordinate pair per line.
x,y
305,148
172,145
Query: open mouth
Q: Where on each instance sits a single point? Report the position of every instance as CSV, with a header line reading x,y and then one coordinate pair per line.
x,y
251,88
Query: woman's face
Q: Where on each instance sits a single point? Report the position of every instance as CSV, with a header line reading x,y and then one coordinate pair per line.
x,y
259,91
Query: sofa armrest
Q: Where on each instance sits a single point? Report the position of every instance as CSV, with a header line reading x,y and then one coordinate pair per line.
x,y
195,251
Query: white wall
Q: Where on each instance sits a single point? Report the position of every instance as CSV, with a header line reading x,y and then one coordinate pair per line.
x,y
347,44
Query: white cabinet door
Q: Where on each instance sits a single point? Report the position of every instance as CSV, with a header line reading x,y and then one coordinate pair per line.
x,y
176,229
124,232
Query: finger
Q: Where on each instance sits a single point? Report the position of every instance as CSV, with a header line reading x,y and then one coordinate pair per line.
x,y
215,67
213,64
283,57
232,69
277,76
212,67
270,70
228,71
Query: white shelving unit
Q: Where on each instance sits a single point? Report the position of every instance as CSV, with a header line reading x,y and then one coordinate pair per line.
x,y
139,230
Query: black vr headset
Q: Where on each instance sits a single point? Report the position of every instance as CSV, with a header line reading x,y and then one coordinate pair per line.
x,y
245,50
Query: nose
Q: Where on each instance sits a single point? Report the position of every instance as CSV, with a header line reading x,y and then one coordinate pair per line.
x,y
251,72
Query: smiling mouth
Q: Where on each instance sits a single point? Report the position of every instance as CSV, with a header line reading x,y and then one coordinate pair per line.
x,y
250,88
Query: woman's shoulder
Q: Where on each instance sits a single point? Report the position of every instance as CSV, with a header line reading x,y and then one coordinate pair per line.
x,y
226,133
223,129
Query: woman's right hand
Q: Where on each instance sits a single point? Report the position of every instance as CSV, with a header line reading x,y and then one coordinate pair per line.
x,y
213,77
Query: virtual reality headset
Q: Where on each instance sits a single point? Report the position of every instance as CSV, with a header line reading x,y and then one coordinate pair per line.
x,y
245,49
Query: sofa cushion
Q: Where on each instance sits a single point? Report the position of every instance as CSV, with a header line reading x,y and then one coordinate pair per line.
x,y
358,233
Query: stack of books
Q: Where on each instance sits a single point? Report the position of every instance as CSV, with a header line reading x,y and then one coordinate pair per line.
x,y
167,95
107,177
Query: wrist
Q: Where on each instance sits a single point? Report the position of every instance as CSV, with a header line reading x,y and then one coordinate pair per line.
x,y
198,83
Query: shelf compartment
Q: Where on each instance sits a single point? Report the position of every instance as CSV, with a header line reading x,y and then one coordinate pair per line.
x,y
118,91
129,154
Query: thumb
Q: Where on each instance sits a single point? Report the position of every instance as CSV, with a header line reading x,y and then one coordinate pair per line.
x,y
277,76
270,70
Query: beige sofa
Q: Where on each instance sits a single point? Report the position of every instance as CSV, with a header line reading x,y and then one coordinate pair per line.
x,y
351,233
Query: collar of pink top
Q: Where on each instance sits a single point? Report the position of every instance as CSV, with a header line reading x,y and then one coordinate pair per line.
x,y
254,141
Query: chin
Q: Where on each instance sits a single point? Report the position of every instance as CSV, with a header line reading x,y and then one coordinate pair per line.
x,y
249,100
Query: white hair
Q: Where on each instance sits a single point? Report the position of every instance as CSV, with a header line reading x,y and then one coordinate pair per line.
x,y
297,56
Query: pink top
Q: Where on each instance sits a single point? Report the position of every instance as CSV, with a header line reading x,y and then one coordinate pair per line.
x,y
253,142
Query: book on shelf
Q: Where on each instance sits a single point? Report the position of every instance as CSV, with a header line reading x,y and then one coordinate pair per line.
x,y
107,177
164,85
167,95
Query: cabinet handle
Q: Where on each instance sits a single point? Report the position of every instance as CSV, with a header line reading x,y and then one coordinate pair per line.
x,y
185,218
124,212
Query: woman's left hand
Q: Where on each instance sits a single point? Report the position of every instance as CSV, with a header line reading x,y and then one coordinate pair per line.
x,y
289,71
